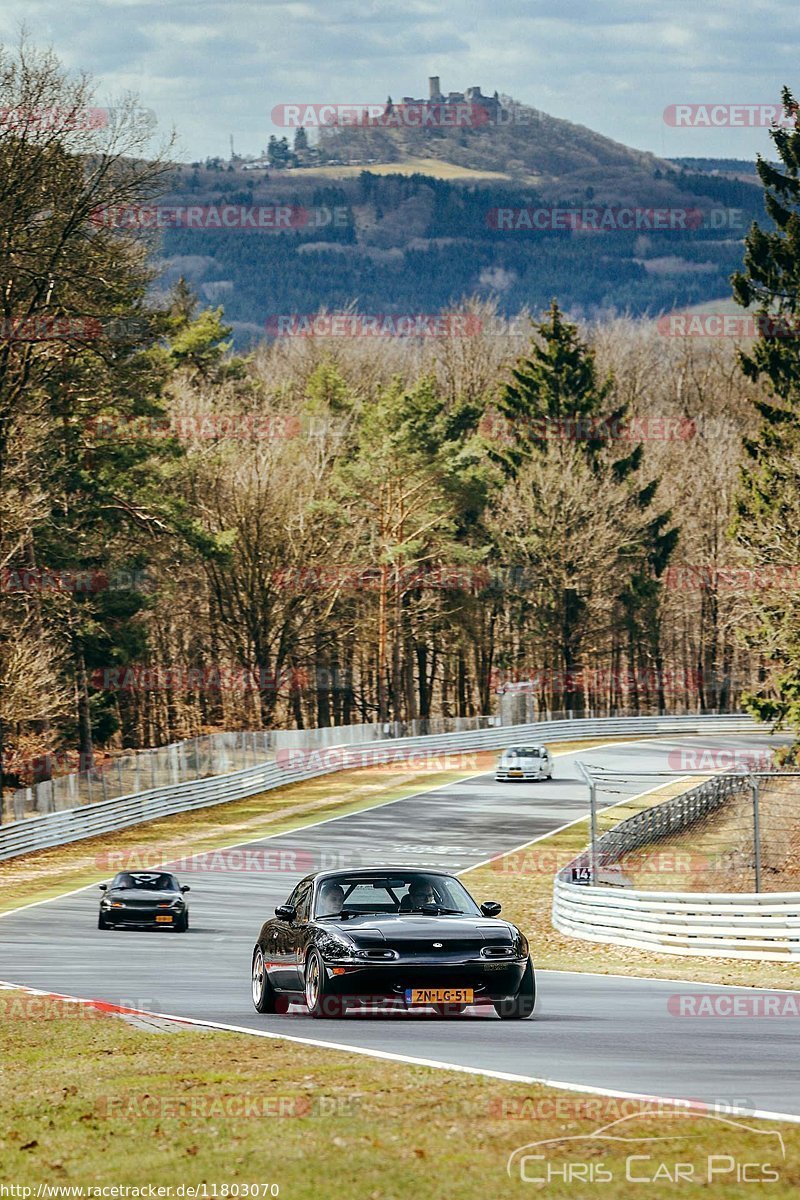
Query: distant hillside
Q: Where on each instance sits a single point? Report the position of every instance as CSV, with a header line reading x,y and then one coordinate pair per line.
x,y
525,143
420,240
719,166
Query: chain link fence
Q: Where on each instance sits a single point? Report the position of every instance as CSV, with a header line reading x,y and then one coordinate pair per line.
x,y
750,842
738,832
222,753
201,757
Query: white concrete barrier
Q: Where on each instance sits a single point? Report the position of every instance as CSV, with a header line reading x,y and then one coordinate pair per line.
x,y
758,925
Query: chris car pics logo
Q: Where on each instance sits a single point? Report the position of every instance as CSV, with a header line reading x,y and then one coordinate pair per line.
x,y
707,1150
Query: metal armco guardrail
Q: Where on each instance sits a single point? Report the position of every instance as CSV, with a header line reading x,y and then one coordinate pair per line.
x,y
205,756
55,829
754,925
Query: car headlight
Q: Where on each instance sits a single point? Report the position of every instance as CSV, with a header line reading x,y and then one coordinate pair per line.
x,y
177,903
104,903
331,946
519,945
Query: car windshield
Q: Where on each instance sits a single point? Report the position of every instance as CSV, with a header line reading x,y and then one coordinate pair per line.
x,y
400,892
155,881
524,752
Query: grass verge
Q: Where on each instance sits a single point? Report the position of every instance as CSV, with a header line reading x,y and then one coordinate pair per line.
x,y
119,1106
437,168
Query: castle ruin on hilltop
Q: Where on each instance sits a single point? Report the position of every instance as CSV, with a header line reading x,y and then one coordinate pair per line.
x,y
473,95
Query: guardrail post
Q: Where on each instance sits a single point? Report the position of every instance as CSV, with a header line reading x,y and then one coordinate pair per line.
x,y
755,787
592,822
593,828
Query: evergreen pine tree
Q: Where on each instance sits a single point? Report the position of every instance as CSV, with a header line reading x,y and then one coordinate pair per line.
x,y
300,141
767,520
555,394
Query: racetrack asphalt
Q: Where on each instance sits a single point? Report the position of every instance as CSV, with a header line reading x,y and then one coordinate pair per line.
x,y
594,1031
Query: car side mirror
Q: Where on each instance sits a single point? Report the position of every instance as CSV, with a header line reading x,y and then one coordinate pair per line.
x,y
103,887
186,888
287,912
490,908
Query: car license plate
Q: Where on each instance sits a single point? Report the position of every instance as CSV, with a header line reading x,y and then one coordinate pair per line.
x,y
164,920
515,772
439,995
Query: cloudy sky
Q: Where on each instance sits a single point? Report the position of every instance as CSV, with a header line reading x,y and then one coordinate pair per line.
x,y
212,68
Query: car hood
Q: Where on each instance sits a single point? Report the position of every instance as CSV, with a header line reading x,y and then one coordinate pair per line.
x,y
143,894
372,928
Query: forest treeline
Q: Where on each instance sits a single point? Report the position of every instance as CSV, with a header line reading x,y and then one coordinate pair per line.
x,y
418,244
361,528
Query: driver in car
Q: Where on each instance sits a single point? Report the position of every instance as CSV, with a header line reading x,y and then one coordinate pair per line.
x,y
421,892
331,899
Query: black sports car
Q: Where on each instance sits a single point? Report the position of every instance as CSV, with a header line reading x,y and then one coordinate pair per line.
x,y
144,898
400,934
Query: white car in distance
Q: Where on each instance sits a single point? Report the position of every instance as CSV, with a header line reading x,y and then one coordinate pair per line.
x,y
525,763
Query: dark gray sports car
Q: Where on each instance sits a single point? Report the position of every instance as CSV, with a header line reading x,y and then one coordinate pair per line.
x,y
144,898
415,937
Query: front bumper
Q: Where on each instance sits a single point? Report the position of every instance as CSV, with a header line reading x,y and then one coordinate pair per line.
x,y
519,776
490,981
146,917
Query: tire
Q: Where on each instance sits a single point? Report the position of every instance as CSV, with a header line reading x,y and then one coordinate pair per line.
x,y
320,1002
521,1006
262,991
101,922
182,924
450,1010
